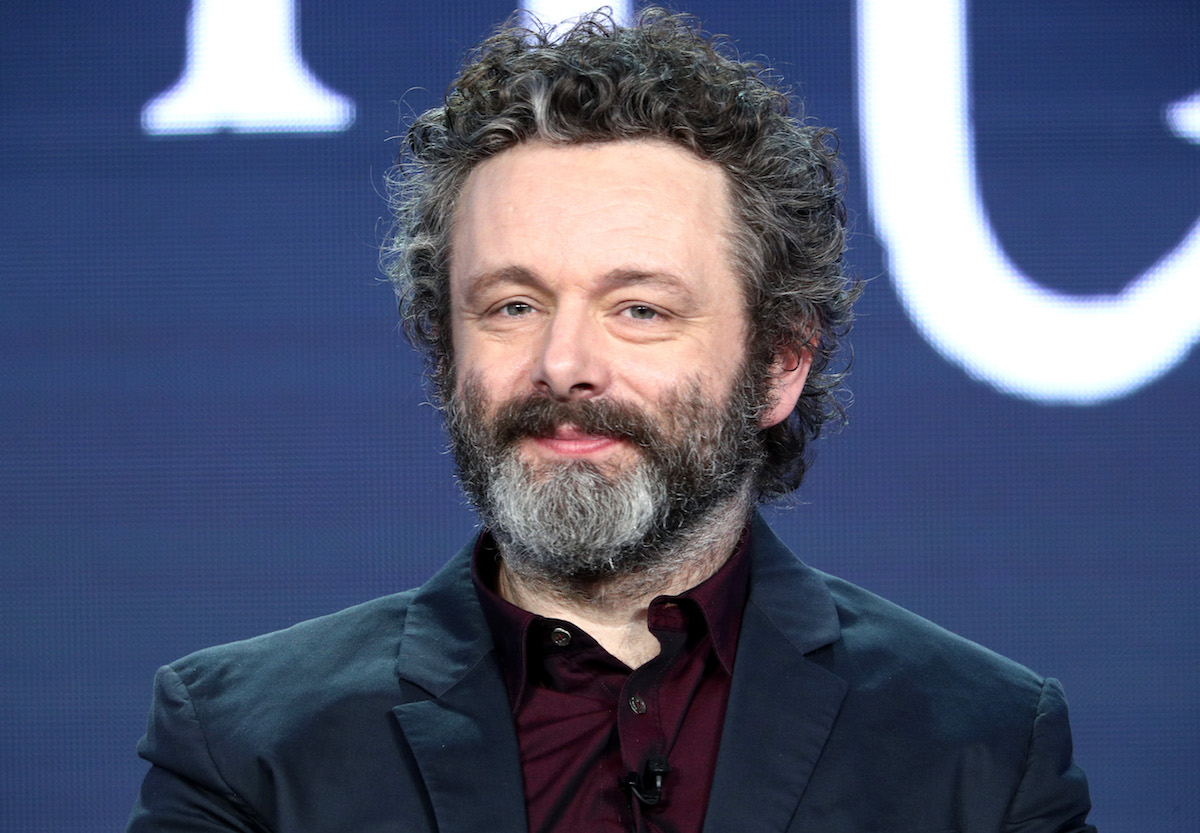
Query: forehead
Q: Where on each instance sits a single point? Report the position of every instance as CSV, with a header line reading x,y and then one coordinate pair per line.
x,y
589,210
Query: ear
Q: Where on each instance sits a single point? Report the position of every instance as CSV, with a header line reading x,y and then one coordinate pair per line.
x,y
786,380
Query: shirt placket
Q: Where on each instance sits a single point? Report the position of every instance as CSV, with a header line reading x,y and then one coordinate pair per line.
x,y
641,728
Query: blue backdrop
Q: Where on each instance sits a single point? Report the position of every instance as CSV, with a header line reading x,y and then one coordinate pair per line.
x,y
212,428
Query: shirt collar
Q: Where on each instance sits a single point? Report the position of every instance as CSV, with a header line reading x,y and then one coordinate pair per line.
x,y
720,599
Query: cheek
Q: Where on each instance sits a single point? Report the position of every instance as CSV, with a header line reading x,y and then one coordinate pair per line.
x,y
490,378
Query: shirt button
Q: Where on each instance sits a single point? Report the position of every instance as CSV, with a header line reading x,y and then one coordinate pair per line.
x,y
637,704
560,637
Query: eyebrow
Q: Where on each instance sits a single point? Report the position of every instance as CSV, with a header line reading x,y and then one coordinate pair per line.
x,y
477,285
666,281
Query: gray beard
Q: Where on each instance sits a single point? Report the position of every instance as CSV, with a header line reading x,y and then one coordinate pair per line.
x,y
572,521
573,526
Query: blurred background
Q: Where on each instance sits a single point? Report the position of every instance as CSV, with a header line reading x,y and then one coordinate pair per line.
x,y
212,428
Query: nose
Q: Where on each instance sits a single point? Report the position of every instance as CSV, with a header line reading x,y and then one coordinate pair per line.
x,y
571,363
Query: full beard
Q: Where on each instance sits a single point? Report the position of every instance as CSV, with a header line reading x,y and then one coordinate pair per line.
x,y
575,525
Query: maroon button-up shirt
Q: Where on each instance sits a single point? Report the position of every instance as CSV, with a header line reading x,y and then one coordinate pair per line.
x,y
586,723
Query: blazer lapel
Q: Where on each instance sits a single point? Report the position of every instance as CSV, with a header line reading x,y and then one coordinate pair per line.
x,y
782,705
456,715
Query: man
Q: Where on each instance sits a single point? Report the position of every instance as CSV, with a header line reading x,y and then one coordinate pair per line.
x,y
624,261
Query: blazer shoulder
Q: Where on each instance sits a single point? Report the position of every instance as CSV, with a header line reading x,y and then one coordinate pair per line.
x,y
957,722
236,718
876,628
363,634
873,644
891,655
269,688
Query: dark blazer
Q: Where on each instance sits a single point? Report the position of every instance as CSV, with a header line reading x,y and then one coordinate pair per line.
x,y
847,715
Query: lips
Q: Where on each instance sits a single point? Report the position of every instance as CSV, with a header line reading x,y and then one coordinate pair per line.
x,y
578,427
570,441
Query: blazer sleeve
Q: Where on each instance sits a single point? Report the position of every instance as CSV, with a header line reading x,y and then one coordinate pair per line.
x,y
184,791
1052,796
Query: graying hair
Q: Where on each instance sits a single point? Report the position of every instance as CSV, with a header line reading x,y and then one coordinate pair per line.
x,y
661,78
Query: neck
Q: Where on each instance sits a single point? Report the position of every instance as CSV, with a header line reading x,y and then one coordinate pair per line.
x,y
613,610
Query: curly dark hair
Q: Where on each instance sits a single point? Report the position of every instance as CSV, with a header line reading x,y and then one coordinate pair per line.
x,y
661,78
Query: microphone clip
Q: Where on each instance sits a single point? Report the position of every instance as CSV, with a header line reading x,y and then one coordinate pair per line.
x,y
648,787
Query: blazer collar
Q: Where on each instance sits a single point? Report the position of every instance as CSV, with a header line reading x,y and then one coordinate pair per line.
x,y
782,705
454,711
445,635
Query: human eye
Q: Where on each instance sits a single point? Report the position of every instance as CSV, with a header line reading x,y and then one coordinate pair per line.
x,y
641,312
515,309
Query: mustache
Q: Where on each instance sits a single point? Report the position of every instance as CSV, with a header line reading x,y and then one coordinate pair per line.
x,y
536,415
